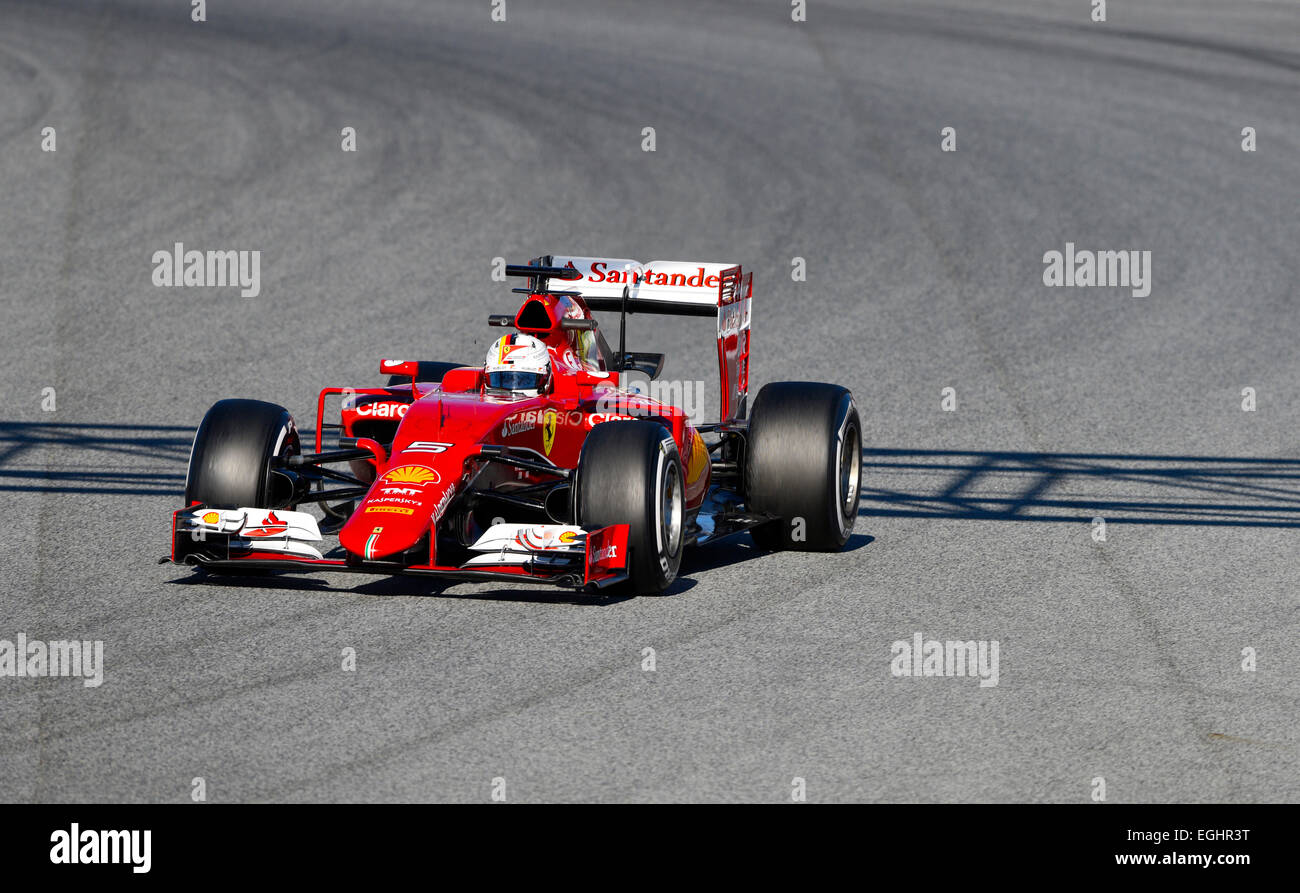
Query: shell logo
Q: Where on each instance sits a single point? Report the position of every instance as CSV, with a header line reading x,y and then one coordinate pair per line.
x,y
698,460
211,517
412,474
568,537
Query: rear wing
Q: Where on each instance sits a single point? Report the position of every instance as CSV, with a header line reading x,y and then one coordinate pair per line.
x,y
677,288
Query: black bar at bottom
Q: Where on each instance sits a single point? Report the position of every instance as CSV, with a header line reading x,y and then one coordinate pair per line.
x,y
921,847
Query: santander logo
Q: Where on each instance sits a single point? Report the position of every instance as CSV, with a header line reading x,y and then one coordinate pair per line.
x,y
600,272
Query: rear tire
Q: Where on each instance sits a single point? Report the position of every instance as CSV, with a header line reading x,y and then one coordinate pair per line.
x,y
231,463
431,372
630,473
803,464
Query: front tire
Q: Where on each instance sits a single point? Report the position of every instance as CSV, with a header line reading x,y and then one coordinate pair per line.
x,y
803,465
234,460
630,473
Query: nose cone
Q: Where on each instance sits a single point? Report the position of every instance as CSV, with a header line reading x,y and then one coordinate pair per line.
x,y
428,465
374,540
398,510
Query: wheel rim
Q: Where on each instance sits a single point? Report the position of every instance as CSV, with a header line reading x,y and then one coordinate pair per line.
x,y
850,471
671,512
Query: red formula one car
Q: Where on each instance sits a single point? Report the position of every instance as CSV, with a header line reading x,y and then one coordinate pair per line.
x,y
540,466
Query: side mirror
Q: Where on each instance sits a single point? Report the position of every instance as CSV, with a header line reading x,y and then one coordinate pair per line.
x,y
651,365
400,367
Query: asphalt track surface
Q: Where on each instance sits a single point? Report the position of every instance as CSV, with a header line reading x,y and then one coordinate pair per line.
x,y
1119,659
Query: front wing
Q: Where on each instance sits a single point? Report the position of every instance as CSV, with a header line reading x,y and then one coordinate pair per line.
x,y
263,540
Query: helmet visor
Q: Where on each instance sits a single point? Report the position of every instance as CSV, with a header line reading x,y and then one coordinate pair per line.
x,y
515,381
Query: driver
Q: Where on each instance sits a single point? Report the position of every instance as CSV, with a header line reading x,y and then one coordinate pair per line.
x,y
518,364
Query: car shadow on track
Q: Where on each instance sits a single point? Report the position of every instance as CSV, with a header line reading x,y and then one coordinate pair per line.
x,y
90,459
1078,487
394,587
79,458
533,595
736,550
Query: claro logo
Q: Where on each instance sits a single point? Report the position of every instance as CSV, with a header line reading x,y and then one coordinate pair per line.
x,y
383,410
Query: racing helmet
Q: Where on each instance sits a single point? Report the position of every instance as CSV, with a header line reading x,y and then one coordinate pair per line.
x,y
519,364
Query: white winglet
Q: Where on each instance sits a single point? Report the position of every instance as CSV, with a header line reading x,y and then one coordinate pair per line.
x,y
527,539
